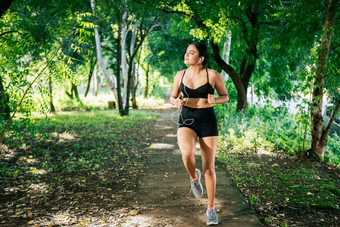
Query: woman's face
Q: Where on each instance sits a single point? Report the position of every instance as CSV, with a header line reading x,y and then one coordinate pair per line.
x,y
191,56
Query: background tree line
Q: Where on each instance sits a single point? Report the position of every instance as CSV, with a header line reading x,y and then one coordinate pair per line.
x,y
283,49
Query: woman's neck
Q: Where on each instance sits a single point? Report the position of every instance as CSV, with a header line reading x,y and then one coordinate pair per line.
x,y
196,69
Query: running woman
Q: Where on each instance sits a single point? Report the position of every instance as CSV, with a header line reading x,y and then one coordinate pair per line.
x,y
193,93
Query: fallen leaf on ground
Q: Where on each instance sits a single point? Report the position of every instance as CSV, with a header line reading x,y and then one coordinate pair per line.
x,y
133,212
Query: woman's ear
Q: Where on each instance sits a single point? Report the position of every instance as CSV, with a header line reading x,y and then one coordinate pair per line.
x,y
202,59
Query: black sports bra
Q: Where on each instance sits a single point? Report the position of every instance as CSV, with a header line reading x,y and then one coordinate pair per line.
x,y
200,92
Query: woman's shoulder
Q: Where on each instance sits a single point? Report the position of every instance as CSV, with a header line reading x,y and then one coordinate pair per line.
x,y
179,73
213,73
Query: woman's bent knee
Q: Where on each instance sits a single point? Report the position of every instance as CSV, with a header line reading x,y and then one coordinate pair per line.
x,y
186,156
210,171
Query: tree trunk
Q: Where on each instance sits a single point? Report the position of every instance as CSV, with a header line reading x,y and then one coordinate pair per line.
x,y
75,91
124,63
146,91
119,60
242,103
129,79
50,88
110,80
4,102
226,53
93,63
134,83
319,135
133,65
131,62
70,94
245,77
127,104
241,91
242,79
95,83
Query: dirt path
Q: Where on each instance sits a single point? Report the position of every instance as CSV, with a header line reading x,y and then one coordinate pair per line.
x,y
163,198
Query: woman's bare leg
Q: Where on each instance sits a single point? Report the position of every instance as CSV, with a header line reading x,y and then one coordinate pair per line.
x,y
208,150
187,143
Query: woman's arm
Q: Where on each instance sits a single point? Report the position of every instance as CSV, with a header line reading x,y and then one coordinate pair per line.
x,y
221,89
174,98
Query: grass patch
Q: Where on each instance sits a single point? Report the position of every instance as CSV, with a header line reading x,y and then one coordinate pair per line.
x,y
278,187
71,162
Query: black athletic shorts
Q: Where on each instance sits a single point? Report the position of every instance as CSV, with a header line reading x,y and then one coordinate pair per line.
x,y
202,120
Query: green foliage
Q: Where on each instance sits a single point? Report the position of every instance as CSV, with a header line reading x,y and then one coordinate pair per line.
x,y
33,32
89,137
267,128
332,82
159,91
72,159
287,46
232,92
150,102
275,184
100,102
168,45
333,152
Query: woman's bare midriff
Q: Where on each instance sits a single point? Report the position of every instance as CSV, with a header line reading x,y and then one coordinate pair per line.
x,y
197,103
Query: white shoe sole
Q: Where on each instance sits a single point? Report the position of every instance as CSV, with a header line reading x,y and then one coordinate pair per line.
x,y
199,180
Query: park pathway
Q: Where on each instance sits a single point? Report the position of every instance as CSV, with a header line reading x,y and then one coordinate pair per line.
x,y
163,198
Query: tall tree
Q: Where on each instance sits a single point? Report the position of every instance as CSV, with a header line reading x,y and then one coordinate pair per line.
x,y
113,10
246,20
92,64
319,134
50,90
30,33
250,21
133,21
145,21
111,79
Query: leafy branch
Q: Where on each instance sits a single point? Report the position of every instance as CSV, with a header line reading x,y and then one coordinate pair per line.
x,y
24,95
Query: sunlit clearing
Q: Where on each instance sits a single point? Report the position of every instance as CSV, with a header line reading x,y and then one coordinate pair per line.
x,y
149,102
12,189
65,218
265,152
29,160
36,171
6,153
38,188
161,146
171,135
66,136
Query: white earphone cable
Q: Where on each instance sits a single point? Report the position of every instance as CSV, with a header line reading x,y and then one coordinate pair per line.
x,y
179,110
188,121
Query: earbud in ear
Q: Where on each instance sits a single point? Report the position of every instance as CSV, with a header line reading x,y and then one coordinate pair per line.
x,y
200,60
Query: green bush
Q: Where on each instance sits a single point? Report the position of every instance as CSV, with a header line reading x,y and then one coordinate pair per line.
x,y
159,91
269,128
333,150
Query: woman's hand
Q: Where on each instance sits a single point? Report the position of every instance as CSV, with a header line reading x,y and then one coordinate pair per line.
x,y
179,103
211,99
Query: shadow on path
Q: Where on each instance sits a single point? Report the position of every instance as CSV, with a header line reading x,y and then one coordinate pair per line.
x,y
163,198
